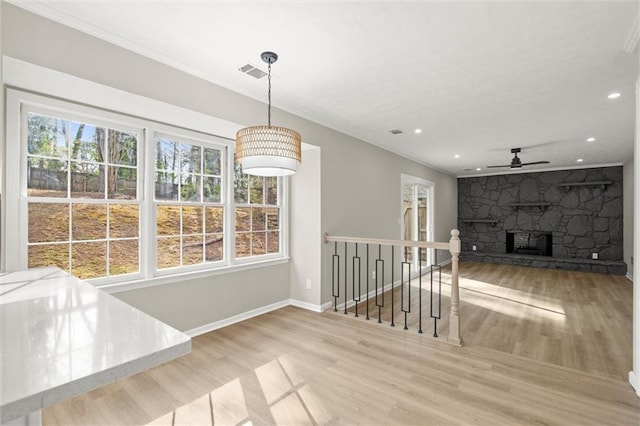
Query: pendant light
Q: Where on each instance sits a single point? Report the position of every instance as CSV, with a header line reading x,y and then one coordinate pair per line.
x,y
268,150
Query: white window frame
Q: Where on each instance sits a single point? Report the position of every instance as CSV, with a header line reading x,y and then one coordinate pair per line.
x,y
59,109
14,196
194,137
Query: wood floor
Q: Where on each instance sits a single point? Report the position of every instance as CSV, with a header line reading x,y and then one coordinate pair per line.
x,y
579,320
293,366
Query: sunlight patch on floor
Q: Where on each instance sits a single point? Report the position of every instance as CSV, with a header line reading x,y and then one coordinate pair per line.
x,y
290,400
228,404
504,300
223,406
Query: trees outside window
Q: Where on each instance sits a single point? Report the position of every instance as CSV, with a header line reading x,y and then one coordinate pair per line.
x,y
83,207
111,198
257,214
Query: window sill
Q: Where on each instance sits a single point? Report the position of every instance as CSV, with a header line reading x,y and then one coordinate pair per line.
x,y
175,278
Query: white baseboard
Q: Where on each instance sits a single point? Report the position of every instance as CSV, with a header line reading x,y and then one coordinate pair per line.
x,y
444,262
372,293
237,318
327,305
253,313
287,302
629,276
633,379
306,305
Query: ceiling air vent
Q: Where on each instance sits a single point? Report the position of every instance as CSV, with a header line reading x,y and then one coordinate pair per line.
x,y
396,131
252,71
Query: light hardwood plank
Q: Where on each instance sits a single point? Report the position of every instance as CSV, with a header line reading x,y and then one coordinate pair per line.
x,y
293,366
578,320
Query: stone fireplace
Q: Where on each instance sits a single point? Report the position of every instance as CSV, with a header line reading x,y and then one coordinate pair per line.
x,y
532,243
563,219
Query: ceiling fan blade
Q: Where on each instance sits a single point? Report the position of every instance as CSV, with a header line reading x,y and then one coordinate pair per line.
x,y
535,162
493,167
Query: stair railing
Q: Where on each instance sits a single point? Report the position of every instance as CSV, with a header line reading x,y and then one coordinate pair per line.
x,y
347,276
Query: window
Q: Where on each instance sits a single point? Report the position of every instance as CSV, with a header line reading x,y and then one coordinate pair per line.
x,y
257,214
114,198
189,209
82,192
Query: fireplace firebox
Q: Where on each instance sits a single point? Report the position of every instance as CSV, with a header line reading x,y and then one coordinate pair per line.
x,y
531,243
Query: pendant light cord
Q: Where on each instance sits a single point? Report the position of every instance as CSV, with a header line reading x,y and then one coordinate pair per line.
x,y
269,110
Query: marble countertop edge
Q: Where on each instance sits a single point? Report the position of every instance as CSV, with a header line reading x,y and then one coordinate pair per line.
x,y
15,409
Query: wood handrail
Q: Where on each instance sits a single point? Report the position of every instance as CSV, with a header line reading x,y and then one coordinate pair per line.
x,y
453,245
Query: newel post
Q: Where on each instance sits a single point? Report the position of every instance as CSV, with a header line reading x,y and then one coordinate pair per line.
x,y
454,315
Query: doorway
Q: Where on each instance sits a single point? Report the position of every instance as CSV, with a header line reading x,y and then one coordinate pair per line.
x,y
417,219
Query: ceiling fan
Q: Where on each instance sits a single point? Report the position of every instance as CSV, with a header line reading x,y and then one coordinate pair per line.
x,y
516,163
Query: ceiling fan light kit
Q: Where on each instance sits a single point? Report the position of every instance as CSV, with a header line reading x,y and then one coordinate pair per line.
x,y
516,163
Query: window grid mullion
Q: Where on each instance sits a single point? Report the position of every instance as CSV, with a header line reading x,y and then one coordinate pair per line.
x,y
217,180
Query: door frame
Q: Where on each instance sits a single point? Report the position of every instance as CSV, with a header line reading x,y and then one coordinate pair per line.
x,y
415,181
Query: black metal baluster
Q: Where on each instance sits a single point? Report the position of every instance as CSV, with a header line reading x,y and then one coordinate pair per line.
x,y
355,269
420,290
436,267
335,276
379,268
345,278
367,281
405,266
393,324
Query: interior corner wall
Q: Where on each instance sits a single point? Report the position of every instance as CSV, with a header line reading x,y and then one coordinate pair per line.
x,y
2,144
634,374
360,183
627,216
305,238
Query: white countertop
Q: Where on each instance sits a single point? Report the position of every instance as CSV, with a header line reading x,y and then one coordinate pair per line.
x,y
60,337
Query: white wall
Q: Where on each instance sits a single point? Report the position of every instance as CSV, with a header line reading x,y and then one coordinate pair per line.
x,y
2,142
634,375
359,182
627,215
306,232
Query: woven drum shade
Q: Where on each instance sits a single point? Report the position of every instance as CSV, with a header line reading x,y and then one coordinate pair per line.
x,y
268,150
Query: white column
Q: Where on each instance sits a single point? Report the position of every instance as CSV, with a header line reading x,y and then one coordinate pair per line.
x,y
3,245
306,243
634,375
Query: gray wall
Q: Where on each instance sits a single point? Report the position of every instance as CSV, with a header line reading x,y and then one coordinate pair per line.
x,y
360,184
628,200
582,219
194,303
306,231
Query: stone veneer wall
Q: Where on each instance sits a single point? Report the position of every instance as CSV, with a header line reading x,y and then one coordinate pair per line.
x,y
582,219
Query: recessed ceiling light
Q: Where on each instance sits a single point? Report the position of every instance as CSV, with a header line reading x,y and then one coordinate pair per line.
x,y
579,160
478,169
591,139
614,95
456,156
417,131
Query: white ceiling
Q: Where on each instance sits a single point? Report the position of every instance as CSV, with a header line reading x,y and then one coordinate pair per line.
x,y
478,78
